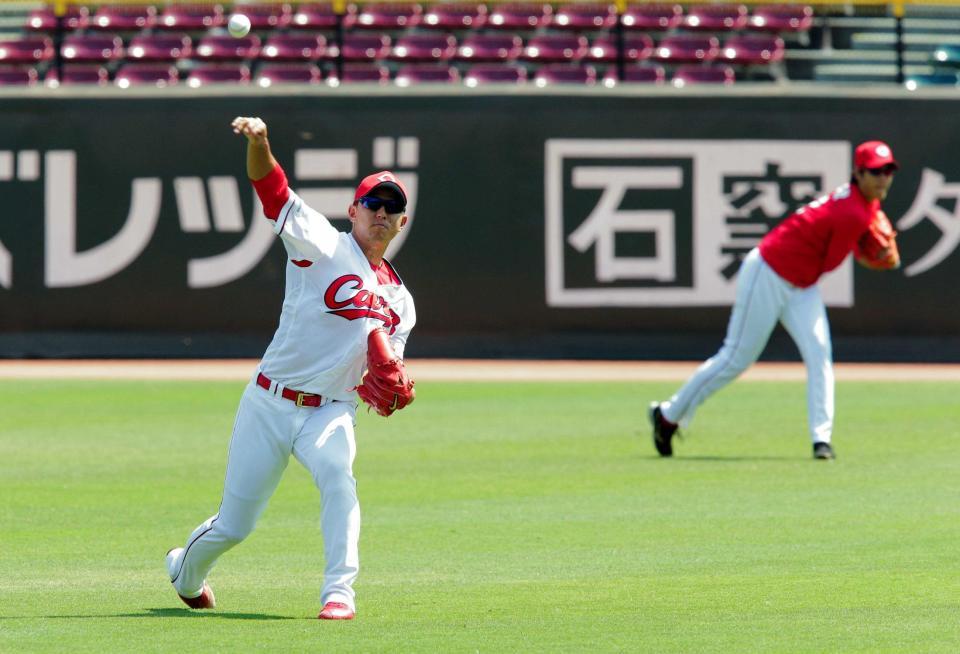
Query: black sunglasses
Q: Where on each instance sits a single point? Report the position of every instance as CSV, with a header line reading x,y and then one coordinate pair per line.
x,y
374,203
889,169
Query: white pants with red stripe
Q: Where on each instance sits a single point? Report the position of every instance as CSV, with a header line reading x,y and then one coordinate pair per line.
x,y
267,431
763,299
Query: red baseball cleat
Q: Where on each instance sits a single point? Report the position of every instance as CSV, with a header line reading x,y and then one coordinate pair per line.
x,y
205,600
336,611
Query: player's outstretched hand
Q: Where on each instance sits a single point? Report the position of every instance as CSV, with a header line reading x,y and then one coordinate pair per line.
x,y
253,128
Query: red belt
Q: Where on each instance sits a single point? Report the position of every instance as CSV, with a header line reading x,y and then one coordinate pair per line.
x,y
301,398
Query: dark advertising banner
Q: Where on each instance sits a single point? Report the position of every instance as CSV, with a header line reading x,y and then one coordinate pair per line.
x,y
541,225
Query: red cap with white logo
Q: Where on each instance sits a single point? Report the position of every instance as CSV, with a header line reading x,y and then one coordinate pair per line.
x,y
383,178
874,154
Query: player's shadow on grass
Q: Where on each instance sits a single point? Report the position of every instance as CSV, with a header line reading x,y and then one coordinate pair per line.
x,y
727,459
187,613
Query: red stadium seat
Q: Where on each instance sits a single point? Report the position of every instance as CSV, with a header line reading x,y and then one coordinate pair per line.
x,y
781,18
319,16
44,20
159,47
385,16
27,50
362,47
359,74
152,74
455,16
265,16
123,18
716,18
565,74
636,47
91,48
687,48
426,74
289,73
294,47
753,50
424,47
78,75
227,48
519,16
208,74
652,17
555,48
637,74
480,74
187,18
18,76
490,47
584,17
687,75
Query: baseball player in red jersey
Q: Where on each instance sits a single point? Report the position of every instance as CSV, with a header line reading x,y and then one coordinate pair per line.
x,y
302,399
778,282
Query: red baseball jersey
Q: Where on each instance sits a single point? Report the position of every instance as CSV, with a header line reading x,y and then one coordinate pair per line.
x,y
819,236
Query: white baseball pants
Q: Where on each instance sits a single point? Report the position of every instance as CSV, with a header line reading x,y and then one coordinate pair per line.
x,y
763,298
267,431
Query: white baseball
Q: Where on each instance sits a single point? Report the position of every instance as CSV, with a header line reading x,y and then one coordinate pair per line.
x,y
239,25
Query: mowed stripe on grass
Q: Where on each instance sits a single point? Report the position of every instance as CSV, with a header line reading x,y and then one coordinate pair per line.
x,y
497,517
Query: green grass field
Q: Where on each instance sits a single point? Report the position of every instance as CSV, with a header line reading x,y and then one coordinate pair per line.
x,y
497,518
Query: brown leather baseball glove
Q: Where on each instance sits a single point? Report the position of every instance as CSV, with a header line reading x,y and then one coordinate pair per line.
x,y
877,248
385,386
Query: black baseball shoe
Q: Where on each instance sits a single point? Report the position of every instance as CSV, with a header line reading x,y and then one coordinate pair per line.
x,y
663,430
823,451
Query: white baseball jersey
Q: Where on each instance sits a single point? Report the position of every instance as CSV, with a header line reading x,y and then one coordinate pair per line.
x,y
333,300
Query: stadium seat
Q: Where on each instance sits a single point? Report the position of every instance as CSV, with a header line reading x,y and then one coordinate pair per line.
x,y
123,18
636,74
227,48
18,76
218,74
265,16
584,17
290,73
716,18
159,47
426,74
151,74
753,49
555,48
684,48
480,74
28,50
490,47
565,74
781,18
362,47
687,75
942,79
424,47
91,48
78,75
320,16
652,17
519,16
385,16
636,47
455,16
294,47
359,74
945,56
187,18
44,20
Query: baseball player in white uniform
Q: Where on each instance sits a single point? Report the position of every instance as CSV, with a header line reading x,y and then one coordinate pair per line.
x,y
778,282
302,399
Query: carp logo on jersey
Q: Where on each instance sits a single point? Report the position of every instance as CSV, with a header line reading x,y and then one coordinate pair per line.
x,y
360,304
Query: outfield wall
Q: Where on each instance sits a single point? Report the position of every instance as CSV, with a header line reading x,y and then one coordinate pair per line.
x,y
576,226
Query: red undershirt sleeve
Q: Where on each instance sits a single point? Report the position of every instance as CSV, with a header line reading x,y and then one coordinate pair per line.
x,y
273,191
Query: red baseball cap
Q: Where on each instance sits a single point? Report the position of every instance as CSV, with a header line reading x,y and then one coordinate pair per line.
x,y
874,154
383,178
